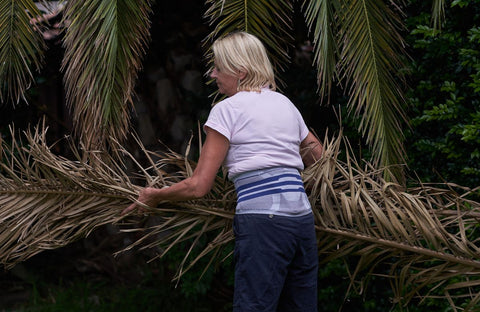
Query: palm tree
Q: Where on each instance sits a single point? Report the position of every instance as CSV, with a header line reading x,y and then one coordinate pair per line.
x,y
429,233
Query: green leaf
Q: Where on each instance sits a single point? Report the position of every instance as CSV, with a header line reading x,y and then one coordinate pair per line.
x,y
460,3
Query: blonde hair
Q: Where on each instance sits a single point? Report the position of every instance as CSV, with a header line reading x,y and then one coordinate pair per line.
x,y
242,52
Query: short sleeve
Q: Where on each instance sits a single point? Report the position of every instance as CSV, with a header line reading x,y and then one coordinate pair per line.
x,y
221,119
303,127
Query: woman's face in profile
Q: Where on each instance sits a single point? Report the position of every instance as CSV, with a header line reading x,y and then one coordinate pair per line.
x,y
226,83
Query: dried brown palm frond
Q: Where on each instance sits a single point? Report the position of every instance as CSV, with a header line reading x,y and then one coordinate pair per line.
x,y
427,236
207,219
425,239
47,201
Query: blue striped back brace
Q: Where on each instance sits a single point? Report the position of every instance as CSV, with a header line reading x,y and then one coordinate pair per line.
x,y
277,191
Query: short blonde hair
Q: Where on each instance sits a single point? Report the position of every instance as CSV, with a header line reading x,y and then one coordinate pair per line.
x,y
241,51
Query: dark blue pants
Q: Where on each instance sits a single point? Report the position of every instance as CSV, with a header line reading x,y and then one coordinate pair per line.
x,y
276,263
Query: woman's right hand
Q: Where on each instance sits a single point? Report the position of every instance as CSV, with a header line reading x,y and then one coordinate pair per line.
x,y
148,197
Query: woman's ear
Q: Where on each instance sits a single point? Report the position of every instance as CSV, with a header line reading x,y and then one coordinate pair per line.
x,y
242,74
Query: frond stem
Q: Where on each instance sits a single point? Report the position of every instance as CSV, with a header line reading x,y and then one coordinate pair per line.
x,y
369,29
89,194
400,246
246,14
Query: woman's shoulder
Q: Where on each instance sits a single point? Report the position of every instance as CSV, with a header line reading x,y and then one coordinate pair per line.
x,y
222,103
264,92
275,94
240,99
226,105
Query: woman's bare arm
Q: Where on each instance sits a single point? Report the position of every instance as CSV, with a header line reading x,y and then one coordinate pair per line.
x,y
311,149
199,184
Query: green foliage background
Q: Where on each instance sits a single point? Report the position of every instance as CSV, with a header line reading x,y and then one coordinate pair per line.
x,y
443,142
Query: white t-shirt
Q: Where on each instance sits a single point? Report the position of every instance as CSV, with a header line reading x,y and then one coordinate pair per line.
x,y
264,129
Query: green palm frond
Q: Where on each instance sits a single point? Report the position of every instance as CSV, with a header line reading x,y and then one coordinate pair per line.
x,y
270,21
424,239
320,17
371,62
104,44
21,48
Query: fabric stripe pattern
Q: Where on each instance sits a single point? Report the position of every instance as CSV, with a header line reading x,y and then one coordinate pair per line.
x,y
276,191
264,187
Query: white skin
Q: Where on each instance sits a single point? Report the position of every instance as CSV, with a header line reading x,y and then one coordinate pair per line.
x,y
211,158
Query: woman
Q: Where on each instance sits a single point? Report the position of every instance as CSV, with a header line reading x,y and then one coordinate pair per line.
x,y
258,134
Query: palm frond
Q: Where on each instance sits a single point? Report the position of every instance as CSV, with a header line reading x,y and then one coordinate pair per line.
x,y
21,48
104,44
358,41
320,17
48,201
427,235
424,239
270,21
208,219
371,62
